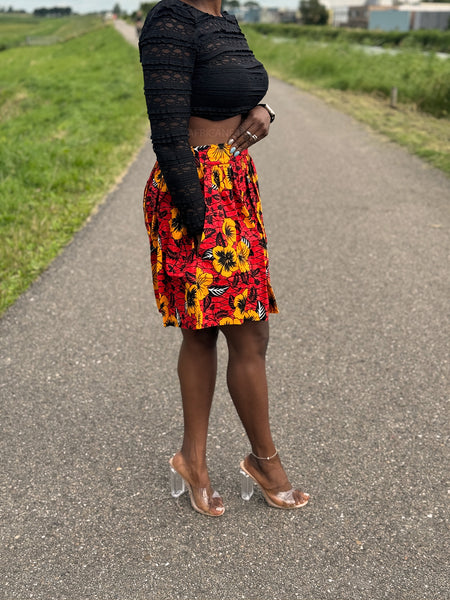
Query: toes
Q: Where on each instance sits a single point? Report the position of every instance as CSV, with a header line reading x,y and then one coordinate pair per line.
x,y
301,498
209,501
217,509
216,504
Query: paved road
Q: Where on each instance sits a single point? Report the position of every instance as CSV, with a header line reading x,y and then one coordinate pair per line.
x,y
358,370
128,31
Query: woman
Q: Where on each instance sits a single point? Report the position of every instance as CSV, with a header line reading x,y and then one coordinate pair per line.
x,y
208,244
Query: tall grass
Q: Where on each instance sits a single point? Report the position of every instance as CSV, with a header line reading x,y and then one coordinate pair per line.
x,y
424,39
72,115
422,79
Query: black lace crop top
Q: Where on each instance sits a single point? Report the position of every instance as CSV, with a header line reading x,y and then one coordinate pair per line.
x,y
194,64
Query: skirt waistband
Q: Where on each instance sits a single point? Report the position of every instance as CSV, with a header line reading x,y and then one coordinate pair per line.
x,y
216,153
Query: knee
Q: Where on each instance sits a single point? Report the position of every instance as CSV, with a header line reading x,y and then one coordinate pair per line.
x,y
200,340
249,340
260,336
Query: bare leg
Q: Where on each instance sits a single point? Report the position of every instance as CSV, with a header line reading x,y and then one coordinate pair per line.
x,y
246,378
247,383
197,368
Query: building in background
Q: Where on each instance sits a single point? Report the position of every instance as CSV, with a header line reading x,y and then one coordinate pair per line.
x,y
386,15
429,15
388,19
406,17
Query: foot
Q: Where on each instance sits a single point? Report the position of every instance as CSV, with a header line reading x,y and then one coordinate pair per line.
x,y
204,499
273,481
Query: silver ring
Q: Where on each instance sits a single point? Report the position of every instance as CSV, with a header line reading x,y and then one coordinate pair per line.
x,y
255,137
248,133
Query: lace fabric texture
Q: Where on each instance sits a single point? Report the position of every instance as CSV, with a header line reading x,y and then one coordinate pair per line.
x,y
193,64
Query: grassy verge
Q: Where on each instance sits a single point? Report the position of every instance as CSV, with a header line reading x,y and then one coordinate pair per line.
x,y
360,84
423,135
423,39
72,116
422,79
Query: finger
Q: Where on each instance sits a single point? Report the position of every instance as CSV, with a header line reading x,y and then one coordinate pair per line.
x,y
248,136
243,141
238,137
251,130
240,129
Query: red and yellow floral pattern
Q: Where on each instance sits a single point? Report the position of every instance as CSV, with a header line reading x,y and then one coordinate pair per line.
x,y
225,281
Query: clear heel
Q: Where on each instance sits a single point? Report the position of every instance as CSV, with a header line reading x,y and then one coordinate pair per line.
x,y
177,486
246,486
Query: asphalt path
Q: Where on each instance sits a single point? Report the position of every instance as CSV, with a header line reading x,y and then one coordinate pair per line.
x,y
358,368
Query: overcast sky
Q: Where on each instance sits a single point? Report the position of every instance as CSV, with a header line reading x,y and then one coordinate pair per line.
x,y
86,6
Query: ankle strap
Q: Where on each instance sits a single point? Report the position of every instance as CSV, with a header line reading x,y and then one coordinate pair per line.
x,y
264,457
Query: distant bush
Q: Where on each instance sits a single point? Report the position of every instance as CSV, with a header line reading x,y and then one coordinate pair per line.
x,y
426,39
56,11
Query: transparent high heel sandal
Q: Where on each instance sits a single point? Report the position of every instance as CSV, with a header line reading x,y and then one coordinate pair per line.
x,y
178,486
284,500
246,485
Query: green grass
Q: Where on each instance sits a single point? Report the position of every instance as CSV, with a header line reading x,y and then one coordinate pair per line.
x,y
360,84
16,28
422,79
423,39
72,116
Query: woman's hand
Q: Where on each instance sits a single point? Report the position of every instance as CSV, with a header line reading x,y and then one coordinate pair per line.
x,y
253,129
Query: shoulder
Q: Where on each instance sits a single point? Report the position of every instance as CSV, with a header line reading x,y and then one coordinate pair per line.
x,y
230,18
171,10
169,22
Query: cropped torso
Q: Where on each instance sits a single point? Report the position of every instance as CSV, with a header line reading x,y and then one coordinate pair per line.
x,y
226,78
196,66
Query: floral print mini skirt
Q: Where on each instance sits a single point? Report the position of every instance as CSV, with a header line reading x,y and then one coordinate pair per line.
x,y
226,279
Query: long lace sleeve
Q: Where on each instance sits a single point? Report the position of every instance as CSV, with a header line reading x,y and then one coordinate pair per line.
x,y
167,53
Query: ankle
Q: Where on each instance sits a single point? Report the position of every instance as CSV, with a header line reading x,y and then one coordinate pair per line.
x,y
194,471
270,472
193,456
264,457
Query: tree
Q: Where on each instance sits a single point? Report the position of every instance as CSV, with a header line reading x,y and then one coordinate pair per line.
x,y
313,13
56,11
226,4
